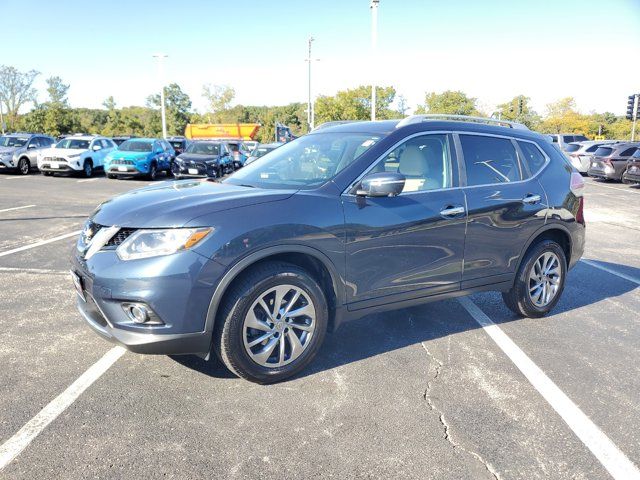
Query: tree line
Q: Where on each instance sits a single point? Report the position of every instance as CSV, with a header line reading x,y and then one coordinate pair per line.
x,y
56,117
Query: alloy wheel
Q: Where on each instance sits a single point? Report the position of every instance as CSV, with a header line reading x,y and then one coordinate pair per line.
x,y
24,167
545,279
278,327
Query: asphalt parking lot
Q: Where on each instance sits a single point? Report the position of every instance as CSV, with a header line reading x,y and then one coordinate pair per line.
x,y
425,392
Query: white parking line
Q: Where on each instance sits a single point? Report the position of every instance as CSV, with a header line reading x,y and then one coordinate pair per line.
x,y
45,271
16,208
16,444
611,458
629,190
88,180
16,177
38,244
611,271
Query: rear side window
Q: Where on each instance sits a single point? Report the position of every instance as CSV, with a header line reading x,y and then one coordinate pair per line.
x,y
603,152
628,152
580,138
567,138
533,157
572,147
592,149
489,160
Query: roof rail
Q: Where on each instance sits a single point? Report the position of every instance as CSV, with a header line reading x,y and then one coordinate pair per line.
x,y
459,118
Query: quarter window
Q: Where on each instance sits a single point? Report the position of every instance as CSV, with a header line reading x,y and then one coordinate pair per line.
x,y
568,138
489,160
628,152
533,157
425,162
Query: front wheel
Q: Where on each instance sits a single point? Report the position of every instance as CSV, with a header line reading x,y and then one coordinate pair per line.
x,y
87,168
153,172
539,281
24,166
272,323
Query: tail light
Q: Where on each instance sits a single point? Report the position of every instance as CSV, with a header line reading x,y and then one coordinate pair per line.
x,y
577,188
607,161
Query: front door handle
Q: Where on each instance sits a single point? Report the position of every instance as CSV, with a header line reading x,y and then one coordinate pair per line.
x,y
531,199
452,211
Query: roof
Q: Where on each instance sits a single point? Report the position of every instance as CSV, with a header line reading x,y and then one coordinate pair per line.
x,y
144,140
271,145
379,126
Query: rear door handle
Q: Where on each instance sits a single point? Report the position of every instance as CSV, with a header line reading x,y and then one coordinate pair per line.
x,y
531,199
452,211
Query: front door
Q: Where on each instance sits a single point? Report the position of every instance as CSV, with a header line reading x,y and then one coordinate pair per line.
x,y
410,245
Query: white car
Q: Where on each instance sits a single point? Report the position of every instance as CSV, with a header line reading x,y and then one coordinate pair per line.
x,y
75,154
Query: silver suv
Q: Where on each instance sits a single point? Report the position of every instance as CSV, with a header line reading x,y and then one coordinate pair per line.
x,y
19,151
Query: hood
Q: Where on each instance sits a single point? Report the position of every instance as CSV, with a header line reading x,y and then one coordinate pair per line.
x,y
62,152
174,204
198,157
5,150
121,154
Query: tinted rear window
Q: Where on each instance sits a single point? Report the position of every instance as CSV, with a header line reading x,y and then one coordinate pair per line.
x,y
567,138
592,149
489,160
533,157
603,152
628,152
573,147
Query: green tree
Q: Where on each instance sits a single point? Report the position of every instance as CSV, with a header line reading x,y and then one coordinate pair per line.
x,y
518,109
219,98
449,102
113,124
58,118
16,90
177,105
563,117
355,104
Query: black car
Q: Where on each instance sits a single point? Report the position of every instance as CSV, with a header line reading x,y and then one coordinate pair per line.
x,y
207,158
120,139
179,143
346,221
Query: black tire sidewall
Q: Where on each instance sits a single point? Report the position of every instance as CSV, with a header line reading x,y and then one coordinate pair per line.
x,y
87,168
232,332
21,162
522,281
153,171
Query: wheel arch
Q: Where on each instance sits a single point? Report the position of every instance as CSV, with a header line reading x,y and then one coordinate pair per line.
x,y
552,231
308,258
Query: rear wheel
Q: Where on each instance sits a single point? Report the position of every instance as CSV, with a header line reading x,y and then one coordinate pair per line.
x,y
272,323
24,166
87,168
111,176
47,174
539,281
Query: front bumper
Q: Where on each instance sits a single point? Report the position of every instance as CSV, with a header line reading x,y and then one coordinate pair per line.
x,y
7,163
177,288
632,176
60,166
126,170
196,170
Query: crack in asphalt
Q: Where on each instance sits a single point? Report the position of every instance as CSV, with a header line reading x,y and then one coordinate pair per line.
x,y
446,428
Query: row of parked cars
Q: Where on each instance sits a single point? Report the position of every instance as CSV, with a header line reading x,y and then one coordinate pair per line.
x,y
604,159
126,156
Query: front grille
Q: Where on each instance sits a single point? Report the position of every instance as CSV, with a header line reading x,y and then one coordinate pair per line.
x,y
120,237
54,159
123,162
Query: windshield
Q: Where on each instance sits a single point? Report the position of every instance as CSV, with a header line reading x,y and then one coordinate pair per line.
x,y
13,141
73,143
135,146
603,152
305,163
176,144
572,147
204,148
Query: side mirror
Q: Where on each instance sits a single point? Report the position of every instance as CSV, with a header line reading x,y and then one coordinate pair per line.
x,y
32,146
95,148
383,184
225,154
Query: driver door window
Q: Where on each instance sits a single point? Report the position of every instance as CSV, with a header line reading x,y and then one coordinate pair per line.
x,y
425,162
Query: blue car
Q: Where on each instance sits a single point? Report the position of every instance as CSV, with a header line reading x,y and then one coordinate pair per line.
x,y
345,221
140,157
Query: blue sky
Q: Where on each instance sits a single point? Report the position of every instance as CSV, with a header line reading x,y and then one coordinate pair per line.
x,y
493,50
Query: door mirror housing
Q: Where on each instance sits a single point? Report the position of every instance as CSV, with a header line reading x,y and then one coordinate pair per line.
x,y
32,146
382,184
95,148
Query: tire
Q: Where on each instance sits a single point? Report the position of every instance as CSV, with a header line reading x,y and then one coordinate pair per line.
x,y
232,336
111,176
24,166
47,174
153,172
534,305
87,168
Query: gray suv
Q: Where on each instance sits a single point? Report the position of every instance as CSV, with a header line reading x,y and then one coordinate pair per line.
x,y
19,151
345,221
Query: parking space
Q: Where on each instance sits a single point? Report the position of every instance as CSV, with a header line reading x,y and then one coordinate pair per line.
x,y
419,393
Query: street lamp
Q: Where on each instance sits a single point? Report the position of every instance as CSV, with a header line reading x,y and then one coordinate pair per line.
x,y
161,57
310,112
374,41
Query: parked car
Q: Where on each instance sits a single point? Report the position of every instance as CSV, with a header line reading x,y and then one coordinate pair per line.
x,y
262,150
337,224
251,145
19,151
632,172
564,139
203,159
610,161
75,154
120,139
239,152
580,154
140,157
179,144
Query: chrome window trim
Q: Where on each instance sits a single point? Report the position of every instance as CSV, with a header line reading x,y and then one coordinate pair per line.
x,y
459,159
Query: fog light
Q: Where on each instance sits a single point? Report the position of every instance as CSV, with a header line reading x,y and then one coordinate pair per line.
x,y
139,314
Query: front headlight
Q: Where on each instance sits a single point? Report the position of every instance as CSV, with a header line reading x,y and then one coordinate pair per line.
x,y
153,243
74,155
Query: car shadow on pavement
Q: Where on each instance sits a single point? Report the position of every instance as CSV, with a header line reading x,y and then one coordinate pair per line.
x,y
380,333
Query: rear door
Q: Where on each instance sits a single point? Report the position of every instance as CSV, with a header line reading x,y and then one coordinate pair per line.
x,y
411,245
505,203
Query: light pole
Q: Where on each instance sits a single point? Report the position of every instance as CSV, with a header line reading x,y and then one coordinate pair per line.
x,y
374,42
310,113
161,57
